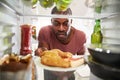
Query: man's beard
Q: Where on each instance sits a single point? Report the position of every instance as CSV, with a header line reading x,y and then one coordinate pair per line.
x,y
61,36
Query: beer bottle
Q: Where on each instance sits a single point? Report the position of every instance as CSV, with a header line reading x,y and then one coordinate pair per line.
x,y
96,36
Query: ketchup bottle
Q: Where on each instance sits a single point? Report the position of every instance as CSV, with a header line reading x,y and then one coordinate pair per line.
x,y
26,32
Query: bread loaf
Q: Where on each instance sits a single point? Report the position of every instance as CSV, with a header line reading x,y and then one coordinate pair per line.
x,y
74,62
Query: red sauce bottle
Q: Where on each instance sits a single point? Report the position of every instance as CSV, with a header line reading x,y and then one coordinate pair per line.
x,y
26,32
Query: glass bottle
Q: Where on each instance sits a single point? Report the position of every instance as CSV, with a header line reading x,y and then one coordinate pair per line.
x,y
96,36
46,3
34,32
62,5
98,6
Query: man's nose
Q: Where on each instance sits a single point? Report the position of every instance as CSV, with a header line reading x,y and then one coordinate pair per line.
x,y
61,28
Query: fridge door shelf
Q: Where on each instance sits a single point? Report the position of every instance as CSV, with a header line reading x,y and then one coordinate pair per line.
x,y
3,49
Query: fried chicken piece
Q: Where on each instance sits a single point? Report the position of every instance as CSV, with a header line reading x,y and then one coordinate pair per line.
x,y
62,54
52,58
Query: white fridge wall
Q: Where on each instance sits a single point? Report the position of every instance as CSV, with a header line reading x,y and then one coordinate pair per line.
x,y
111,30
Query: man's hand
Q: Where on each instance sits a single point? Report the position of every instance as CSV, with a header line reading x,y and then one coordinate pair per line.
x,y
38,51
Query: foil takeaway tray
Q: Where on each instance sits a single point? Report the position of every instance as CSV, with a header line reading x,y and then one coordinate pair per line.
x,y
18,75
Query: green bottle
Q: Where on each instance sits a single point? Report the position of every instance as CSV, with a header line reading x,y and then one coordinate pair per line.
x,y
62,5
46,3
96,36
98,6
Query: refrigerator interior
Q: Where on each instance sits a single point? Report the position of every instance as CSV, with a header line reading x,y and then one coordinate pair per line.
x,y
14,13
17,12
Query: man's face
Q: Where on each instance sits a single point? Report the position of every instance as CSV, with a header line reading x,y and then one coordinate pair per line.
x,y
60,27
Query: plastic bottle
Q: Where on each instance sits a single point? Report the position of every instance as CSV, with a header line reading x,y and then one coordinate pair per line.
x,y
26,32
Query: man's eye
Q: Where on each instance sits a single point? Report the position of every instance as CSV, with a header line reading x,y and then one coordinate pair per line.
x,y
56,23
65,24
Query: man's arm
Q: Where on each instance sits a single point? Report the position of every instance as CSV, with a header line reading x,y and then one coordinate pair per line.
x,y
41,47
